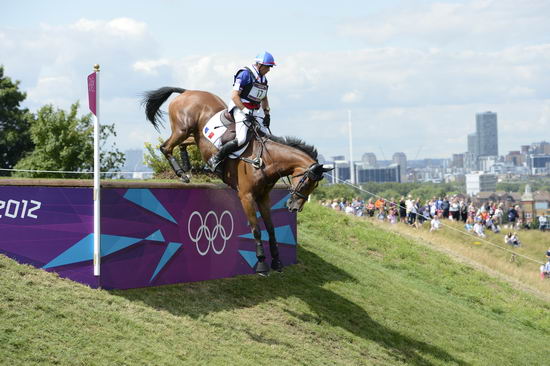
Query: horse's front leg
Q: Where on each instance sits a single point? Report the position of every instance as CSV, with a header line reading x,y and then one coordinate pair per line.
x,y
264,205
248,205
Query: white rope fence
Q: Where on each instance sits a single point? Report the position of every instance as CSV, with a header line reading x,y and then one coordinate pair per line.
x,y
442,224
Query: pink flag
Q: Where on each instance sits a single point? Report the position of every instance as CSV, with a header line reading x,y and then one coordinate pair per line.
x,y
92,92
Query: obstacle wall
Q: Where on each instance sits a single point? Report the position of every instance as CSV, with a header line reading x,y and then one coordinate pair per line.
x,y
151,234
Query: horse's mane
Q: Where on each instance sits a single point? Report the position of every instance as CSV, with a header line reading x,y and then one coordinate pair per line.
x,y
297,144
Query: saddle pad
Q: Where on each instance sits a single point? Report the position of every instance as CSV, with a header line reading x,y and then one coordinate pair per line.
x,y
214,130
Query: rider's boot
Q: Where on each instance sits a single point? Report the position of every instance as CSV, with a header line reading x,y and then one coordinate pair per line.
x,y
216,160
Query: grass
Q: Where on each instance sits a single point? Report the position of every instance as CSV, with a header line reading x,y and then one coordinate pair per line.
x,y
490,253
359,295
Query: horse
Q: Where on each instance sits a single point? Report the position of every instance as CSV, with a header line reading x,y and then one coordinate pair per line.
x,y
251,179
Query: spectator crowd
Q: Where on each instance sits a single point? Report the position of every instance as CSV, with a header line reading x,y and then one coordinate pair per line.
x,y
477,219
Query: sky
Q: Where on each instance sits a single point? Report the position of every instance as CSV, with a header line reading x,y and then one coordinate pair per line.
x,y
411,74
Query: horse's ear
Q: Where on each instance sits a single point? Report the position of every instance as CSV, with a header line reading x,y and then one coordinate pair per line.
x,y
319,170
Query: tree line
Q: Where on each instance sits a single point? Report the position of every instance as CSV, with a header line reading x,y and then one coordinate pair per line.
x,y
51,139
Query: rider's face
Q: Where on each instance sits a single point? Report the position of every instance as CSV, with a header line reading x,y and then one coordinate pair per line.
x,y
263,69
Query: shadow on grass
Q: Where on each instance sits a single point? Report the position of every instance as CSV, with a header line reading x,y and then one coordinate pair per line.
x,y
304,281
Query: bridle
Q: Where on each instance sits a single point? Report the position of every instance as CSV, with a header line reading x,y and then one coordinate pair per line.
x,y
308,173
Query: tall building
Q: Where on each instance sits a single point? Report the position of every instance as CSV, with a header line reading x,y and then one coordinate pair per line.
x,y
542,147
487,134
472,144
457,161
400,159
369,160
379,175
341,171
480,182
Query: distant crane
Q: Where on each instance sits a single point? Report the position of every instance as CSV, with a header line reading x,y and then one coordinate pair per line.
x,y
418,152
382,150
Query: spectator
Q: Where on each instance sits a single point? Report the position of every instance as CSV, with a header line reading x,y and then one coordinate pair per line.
x,y
433,210
402,210
370,208
463,211
512,216
392,216
478,228
498,214
349,210
545,268
469,226
454,210
491,225
543,223
512,239
408,206
445,206
435,224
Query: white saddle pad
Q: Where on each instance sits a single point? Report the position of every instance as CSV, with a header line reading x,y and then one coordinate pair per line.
x,y
213,131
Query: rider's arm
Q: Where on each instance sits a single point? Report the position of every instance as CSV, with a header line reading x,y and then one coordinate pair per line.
x,y
265,105
236,98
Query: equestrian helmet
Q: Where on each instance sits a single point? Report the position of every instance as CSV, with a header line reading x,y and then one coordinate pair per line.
x,y
265,58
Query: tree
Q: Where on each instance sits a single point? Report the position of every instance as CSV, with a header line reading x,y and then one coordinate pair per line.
x,y
154,159
64,142
15,139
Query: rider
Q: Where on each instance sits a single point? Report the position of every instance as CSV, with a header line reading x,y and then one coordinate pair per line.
x,y
248,95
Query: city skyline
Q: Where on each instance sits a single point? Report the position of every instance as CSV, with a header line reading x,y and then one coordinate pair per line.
x,y
413,74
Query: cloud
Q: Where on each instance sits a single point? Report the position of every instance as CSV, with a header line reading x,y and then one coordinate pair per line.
x,y
121,27
475,24
418,79
351,97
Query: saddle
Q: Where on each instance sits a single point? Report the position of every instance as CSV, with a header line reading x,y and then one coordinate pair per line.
x,y
221,129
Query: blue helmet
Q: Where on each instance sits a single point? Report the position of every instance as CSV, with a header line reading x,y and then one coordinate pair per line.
x,y
265,58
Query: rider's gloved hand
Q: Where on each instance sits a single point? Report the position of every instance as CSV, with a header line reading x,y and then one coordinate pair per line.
x,y
246,111
267,120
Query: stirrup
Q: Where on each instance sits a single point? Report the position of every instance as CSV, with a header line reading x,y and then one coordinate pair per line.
x,y
257,162
212,163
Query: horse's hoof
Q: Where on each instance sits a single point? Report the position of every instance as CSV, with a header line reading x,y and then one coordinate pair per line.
x,y
262,269
277,265
185,178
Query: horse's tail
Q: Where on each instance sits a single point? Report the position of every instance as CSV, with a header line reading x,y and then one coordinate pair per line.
x,y
153,99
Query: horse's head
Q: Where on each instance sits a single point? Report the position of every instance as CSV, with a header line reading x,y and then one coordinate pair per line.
x,y
303,184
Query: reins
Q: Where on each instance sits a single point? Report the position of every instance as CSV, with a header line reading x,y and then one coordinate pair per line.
x,y
257,162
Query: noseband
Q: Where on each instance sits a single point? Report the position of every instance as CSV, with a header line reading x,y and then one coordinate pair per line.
x,y
308,173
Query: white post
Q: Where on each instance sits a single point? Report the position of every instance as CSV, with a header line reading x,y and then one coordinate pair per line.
x,y
97,187
351,165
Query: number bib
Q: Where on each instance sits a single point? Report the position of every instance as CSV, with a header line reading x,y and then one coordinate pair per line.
x,y
257,92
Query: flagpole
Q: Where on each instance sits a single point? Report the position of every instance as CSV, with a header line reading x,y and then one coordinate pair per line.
x,y
351,165
97,183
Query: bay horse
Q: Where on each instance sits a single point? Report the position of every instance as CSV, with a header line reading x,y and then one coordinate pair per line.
x,y
281,157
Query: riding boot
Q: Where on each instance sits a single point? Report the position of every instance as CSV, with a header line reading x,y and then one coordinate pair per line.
x,y
216,160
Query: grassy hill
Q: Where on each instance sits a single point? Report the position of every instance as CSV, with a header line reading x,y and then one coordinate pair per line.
x,y
360,295
490,254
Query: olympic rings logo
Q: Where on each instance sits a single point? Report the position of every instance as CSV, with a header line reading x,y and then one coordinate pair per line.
x,y
210,234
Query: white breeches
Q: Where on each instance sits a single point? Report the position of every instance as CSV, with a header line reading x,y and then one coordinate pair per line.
x,y
240,128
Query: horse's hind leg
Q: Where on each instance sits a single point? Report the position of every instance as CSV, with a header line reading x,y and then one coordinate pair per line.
x,y
184,155
185,162
168,147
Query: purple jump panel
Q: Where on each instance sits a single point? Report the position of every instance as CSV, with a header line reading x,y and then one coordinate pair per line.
x,y
149,236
